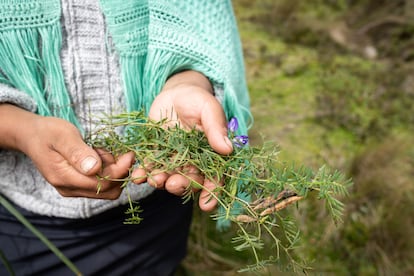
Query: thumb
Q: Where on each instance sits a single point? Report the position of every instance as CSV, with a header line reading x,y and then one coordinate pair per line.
x,y
78,154
214,126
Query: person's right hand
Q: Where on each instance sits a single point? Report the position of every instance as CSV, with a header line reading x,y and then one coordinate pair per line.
x,y
62,157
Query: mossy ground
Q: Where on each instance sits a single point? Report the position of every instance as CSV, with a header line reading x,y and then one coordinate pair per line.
x,y
324,103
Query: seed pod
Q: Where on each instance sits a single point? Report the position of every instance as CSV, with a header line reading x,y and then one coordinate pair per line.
x,y
281,205
245,218
264,203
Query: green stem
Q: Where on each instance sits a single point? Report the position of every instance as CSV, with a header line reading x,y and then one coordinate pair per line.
x,y
38,234
256,256
6,264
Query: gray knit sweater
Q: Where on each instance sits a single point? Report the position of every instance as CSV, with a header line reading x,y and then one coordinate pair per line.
x,y
172,35
92,78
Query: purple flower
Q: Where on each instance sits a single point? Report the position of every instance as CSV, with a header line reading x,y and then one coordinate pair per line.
x,y
240,140
233,124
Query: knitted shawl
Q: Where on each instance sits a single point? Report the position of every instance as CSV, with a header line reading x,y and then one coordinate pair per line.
x,y
154,39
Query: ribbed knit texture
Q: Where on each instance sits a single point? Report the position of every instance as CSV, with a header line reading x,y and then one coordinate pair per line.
x,y
149,40
91,75
11,95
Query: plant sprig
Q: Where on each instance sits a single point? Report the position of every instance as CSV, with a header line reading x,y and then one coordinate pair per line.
x,y
256,185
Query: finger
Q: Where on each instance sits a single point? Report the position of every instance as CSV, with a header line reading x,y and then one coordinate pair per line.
x,y
113,174
120,168
189,169
89,186
106,157
194,174
214,125
139,175
103,193
72,147
70,183
207,202
177,184
126,160
157,178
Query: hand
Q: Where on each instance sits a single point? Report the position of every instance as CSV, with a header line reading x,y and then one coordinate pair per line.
x,y
187,99
58,151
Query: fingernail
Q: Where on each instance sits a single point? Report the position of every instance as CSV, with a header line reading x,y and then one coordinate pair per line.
x,y
88,163
228,142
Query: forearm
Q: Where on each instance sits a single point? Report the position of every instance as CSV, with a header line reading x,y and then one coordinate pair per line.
x,y
15,126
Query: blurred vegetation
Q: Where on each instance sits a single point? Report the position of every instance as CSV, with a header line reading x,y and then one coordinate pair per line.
x,y
332,82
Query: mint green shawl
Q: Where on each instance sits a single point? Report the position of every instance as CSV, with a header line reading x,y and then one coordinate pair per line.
x,y
153,39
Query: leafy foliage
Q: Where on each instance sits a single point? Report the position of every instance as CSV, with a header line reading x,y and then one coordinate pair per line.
x,y
249,172
342,106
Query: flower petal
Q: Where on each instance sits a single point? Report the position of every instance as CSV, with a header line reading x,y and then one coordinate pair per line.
x,y
233,124
240,140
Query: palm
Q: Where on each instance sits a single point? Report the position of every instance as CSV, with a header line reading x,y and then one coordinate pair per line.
x,y
182,105
189,106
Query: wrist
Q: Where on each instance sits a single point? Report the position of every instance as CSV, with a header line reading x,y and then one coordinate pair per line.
x,y
16,128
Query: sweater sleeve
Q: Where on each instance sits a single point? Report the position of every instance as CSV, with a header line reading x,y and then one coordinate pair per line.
x,y
11,95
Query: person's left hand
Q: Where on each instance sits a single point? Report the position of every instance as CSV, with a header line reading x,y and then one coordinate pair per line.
x,y
187,99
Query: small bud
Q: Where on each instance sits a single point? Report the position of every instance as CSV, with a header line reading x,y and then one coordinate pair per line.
x,y
233,125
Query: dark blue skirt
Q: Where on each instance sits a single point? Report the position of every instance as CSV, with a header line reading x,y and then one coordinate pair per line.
x,y
103,244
